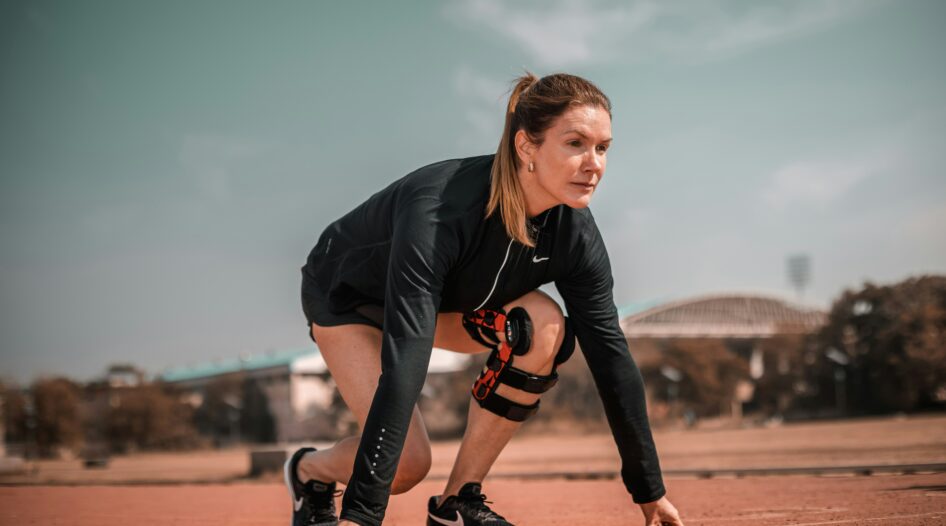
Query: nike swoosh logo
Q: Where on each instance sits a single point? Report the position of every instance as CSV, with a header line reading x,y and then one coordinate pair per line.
x,y
457,522
297,504
537,259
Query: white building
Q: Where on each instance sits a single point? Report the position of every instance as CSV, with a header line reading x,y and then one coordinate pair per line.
x,y
299,393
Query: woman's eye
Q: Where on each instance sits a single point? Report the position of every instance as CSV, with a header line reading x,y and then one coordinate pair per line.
x,y
602,148
575,143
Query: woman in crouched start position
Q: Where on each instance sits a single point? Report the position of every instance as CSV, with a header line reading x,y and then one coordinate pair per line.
x,y
452,255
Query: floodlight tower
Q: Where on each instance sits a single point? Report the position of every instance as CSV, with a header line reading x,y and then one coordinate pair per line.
x,y
799,272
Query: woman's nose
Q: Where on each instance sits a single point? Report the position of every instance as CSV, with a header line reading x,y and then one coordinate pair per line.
x,y
593,162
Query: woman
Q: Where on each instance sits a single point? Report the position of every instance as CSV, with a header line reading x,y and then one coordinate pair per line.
x,y
403,272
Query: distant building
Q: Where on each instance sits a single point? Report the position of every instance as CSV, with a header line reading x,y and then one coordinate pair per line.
x,y
761,330
736,316
290,391
124,375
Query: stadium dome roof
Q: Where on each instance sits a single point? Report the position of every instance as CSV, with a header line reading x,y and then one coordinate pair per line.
x,y
723,316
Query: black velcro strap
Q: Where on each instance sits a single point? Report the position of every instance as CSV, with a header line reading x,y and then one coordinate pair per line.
x,y
508,409
530,383
524,380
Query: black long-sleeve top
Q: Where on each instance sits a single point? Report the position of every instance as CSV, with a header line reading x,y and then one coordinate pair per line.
x,y
422,246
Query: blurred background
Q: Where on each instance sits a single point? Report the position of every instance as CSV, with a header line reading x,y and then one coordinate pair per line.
x,y
774,207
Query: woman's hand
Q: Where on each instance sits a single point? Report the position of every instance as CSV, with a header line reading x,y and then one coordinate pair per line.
x,y
347,523
660,513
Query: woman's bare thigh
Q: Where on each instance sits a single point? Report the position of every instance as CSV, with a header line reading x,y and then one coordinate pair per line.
x,y
352,353
451,335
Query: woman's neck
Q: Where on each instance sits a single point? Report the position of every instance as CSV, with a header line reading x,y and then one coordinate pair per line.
x,y
537,200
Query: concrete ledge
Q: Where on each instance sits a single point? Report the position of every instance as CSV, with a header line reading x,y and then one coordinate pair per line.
x,y
266,461
12,466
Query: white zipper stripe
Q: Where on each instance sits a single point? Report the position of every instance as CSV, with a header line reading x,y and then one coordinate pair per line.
x,y
495,281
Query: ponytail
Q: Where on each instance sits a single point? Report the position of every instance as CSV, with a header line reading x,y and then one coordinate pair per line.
x,y
505,192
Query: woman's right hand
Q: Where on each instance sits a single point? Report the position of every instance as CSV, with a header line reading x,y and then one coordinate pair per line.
x,y
661,513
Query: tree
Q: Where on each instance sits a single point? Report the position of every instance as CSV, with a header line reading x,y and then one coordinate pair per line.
x,y
147,416
219,413
56,412
705,374
14,413
783,380
893,339
256,420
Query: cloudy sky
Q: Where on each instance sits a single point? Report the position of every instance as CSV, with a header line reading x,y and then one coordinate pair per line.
x,y
165,167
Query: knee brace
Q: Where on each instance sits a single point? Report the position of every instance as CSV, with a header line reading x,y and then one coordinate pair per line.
x,y
516,327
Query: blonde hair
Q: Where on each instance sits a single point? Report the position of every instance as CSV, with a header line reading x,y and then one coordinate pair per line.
x,y
533,106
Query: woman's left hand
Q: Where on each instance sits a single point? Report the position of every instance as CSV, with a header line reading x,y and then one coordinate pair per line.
x,y
660,513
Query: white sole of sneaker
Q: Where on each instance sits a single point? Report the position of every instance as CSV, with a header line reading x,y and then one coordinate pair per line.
x,y
287,476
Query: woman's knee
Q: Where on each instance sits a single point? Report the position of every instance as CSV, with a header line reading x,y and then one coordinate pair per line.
x,y
413,467
548,329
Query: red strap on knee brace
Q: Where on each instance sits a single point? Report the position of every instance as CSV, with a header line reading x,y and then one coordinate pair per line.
x,y
483,324
492,321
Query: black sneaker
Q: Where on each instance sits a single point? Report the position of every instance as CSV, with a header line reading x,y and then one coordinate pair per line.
x,y
313,503
466,509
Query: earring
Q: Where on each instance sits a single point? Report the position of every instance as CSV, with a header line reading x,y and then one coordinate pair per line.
x,y
531,166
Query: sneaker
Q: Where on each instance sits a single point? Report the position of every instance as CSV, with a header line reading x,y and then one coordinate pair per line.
x,y
468,508
313,503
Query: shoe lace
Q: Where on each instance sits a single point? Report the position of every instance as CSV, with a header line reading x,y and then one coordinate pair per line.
x,y
477,506
321,503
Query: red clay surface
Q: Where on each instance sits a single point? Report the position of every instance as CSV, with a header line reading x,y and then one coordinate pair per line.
x,y
914,440
798,501
766,501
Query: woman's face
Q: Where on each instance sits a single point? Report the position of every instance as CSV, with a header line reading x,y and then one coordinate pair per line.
x,y
569,163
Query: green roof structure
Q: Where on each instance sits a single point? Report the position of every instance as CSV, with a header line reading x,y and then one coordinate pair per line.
x,y
265,360
638,306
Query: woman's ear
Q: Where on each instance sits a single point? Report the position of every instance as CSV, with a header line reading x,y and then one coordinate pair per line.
x,y
525,148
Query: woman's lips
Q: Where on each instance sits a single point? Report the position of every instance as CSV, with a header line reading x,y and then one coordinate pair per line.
x,y
585,186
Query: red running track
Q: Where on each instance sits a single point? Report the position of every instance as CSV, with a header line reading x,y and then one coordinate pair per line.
x,y
766,501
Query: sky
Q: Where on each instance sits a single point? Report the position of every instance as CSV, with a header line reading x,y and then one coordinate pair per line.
x,y
165,167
